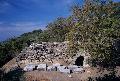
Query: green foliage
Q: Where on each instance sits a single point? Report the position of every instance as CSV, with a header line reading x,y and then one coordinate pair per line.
x,y
57,30
14,75
97,27
12,47
73,46
1,74
107,77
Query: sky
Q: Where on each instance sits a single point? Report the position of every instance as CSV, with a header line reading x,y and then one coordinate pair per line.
x,y
20,16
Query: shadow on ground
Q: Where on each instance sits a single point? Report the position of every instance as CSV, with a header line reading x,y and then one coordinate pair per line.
x,y
107,77
14,75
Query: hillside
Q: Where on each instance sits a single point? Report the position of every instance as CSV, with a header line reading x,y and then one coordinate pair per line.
x,y
93,28
52,53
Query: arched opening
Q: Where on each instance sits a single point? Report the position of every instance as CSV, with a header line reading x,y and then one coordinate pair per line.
x,y
79,61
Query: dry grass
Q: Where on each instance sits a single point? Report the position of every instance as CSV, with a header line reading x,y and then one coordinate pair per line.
x,y
57,76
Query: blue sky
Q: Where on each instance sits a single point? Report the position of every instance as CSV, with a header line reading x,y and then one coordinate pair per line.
x,y
20,16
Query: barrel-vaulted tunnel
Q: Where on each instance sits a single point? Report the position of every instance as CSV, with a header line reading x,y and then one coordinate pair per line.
x,y
79,61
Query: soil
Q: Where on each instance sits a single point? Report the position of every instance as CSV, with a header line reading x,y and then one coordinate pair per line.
x,y
57,76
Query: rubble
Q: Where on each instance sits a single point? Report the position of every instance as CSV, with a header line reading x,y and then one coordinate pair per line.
x,y
45,51
50,53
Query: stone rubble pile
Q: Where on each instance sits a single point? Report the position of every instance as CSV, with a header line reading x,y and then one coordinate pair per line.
x,y
47,53
44,52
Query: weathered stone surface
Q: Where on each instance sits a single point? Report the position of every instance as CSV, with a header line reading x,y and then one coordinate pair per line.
x,y
72,67
59,68
43,51
76,70
42,67
29,67
56,64
51,68
47,52
64,70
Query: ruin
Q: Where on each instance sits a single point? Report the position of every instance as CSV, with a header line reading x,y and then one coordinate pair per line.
x,y
50,53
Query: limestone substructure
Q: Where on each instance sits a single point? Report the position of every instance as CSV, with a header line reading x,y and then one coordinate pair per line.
x,y
49,52
55,67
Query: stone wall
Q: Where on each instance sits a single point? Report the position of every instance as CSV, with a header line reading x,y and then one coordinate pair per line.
x,y
49,53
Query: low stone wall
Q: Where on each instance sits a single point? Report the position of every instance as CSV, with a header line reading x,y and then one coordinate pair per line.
x,y
55,67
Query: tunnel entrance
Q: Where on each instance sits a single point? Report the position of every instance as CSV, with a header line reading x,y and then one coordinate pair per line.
x,y
79,61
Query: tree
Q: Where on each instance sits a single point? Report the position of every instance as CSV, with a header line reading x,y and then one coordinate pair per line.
x,y
96,27
57,30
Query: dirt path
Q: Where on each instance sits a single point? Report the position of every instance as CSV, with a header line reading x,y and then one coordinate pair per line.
x,y
10,65
57,76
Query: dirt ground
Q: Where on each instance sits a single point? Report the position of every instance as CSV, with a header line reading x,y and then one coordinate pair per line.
x,y
11,64
57,76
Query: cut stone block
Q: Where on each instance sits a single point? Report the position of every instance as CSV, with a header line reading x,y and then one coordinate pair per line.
x,y
62,70
60,67
77,70
51,68
71,67
29,67
56,64
42,67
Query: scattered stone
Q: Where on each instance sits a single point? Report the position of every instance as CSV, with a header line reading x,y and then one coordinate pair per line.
x,y
86,66
47,52
70,76
89,72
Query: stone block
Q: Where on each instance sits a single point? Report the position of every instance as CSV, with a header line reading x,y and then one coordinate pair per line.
x,y
62,70
42,67
29,67
71,67
56,64
60,67
51,68
77,70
